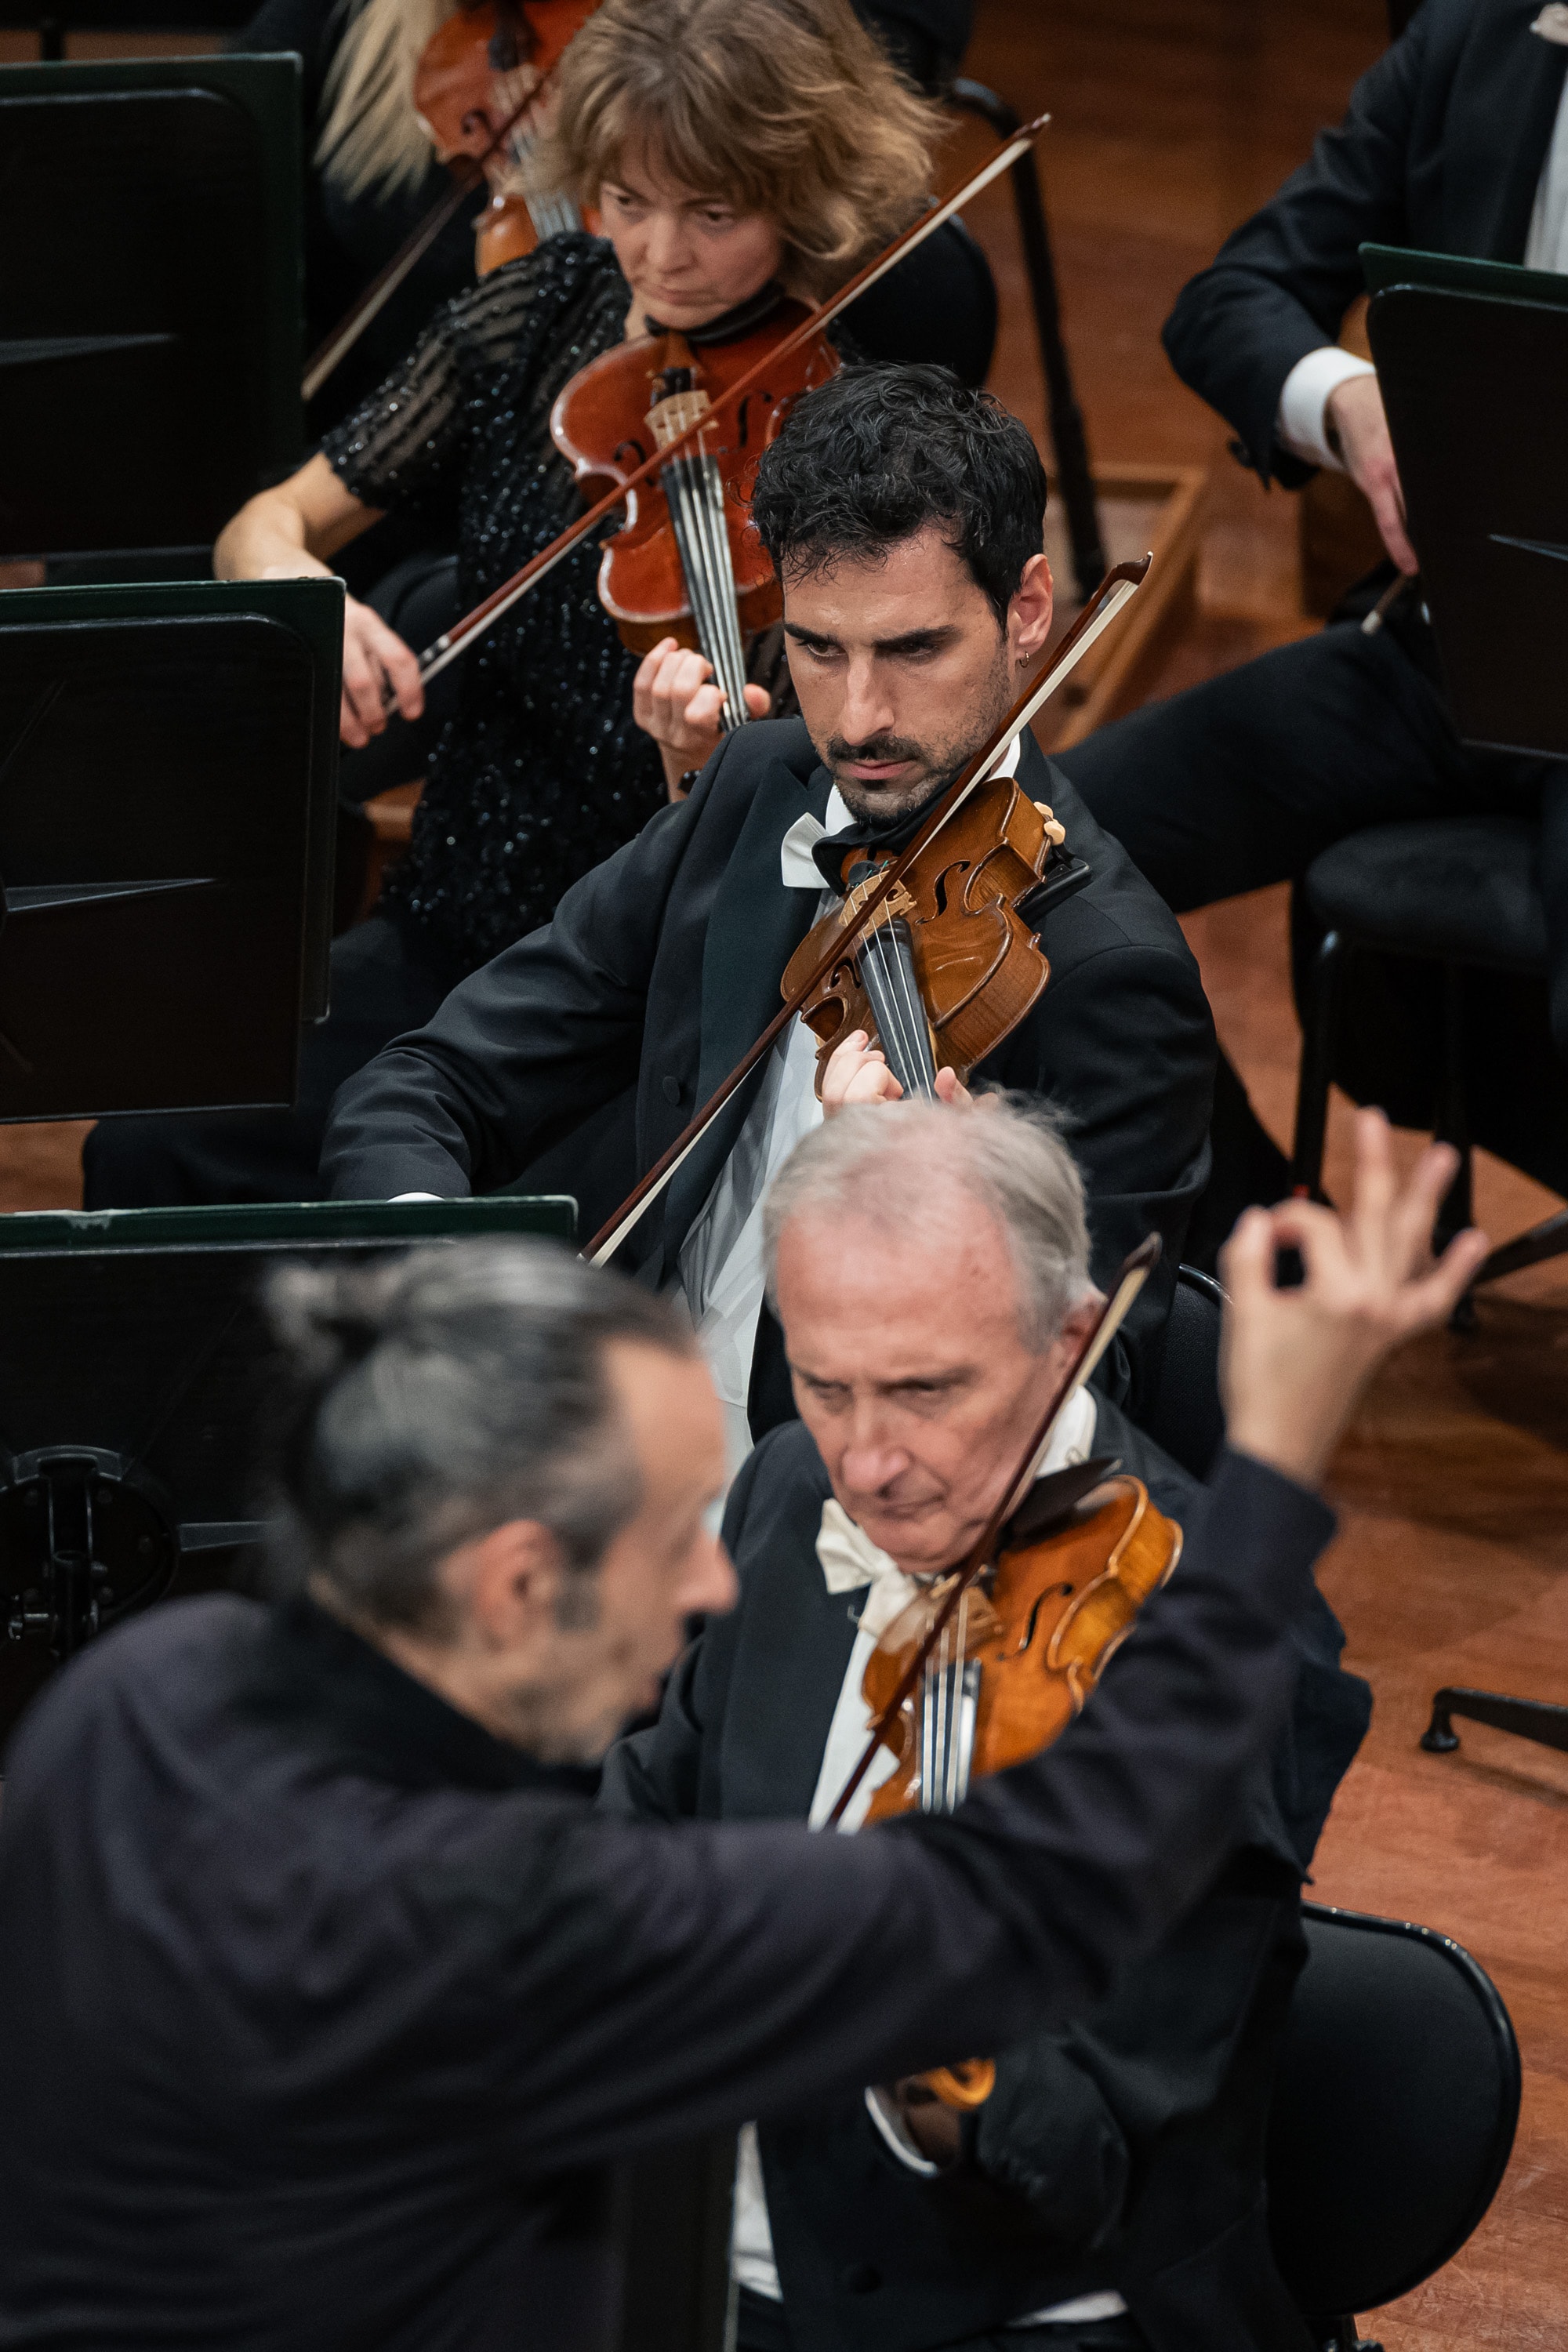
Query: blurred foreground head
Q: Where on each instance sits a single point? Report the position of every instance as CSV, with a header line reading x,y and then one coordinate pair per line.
x,y
494,1463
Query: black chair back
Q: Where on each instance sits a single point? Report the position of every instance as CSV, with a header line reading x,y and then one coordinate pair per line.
x,y
1394,2113
1184,1413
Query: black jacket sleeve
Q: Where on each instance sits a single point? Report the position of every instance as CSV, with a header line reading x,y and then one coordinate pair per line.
x,y
1281,285
521,1051
646,1982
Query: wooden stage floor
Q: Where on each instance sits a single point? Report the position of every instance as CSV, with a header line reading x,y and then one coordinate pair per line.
x,y
1172,119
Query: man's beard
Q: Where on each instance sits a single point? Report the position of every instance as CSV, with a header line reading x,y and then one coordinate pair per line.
x,y
884,807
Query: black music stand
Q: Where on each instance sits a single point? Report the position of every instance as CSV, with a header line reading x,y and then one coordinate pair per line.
x,y
150,304
1472,357
132,1346
168,774
53,19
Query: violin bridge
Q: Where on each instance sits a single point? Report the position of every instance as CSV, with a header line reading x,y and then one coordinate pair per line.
x,y
670,417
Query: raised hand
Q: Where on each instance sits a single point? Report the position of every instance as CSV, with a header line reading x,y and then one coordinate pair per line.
x,y
1294,1362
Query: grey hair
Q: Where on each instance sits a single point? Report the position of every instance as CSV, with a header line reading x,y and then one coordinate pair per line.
x,y
426,1400
884,1161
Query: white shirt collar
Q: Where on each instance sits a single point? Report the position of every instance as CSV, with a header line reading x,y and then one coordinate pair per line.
x,y
797,867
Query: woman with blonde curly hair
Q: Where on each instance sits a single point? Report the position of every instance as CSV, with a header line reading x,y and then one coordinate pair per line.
x,y
733,149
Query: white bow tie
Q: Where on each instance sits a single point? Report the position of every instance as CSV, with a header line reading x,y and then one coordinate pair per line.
x,y
850,1559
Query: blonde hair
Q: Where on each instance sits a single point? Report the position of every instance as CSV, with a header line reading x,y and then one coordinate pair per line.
x,y
787,107
372,138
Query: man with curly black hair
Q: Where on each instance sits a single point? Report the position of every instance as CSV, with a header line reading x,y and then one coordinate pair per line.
x,y
904,514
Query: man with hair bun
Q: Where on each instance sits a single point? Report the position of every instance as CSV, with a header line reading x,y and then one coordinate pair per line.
x,y
904,513
930,1271
327,2006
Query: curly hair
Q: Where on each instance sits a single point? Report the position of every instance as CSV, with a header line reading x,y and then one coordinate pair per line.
x,y
787,107
877,454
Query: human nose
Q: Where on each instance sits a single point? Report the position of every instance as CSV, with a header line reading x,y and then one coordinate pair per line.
x,y
872,1458
867,708
708,1588
668,245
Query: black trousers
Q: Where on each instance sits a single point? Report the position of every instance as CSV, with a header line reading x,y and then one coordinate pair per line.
x,y
386,978
1242,782
763,2327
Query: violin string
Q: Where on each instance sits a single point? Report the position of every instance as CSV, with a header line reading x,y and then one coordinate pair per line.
x,y
552,211
707,594
957,1781
918,1051
724,568
887,970
731,664
689,512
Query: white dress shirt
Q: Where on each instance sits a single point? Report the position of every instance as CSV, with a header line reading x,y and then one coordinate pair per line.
x,y
720,1264
1301,424
850,1561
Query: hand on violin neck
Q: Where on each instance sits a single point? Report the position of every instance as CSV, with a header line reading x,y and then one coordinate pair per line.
x,y
1293,1361
675,700
857,1072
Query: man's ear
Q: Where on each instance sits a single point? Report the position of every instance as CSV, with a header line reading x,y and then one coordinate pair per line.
x,y
1079,1320
1029,611
509,1581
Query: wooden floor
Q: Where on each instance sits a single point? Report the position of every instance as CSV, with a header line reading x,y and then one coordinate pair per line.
x,y
1171,119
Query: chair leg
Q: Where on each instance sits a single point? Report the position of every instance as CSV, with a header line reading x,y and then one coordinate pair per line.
x,y
1527,1718
1547,1240
1312,1084
1341,2334
1453,1114
1067,438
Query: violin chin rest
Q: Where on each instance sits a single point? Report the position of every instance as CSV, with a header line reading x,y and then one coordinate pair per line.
x,y
1054,1496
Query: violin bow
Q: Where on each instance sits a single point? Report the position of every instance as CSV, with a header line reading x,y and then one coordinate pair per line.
x,y
1136,1272
390,276
455,640
1096,616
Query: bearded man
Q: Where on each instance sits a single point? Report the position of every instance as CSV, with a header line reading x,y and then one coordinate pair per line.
x,y
904,515
929,1270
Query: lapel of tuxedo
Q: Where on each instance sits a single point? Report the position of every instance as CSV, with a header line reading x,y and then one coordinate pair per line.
x,y
794,1647
1506,86
754,929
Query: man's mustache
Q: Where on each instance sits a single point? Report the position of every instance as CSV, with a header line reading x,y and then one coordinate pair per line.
x,y
875,748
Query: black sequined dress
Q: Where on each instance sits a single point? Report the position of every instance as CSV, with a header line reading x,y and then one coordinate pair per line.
x,y
542,771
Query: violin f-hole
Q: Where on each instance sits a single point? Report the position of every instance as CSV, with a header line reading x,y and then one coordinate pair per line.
x,y
1051,1592
959,866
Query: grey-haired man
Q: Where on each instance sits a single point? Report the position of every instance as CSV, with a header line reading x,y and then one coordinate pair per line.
x,y
930,1271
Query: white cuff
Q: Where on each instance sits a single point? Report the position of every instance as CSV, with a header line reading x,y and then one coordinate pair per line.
x,y
891,2124
1302,421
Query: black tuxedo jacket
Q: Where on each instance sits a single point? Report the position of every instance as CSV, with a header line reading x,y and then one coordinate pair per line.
x,y
1441,150
1145,2141
662,965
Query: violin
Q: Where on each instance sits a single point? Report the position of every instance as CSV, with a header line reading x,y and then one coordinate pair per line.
x,y
477,89
951,961
480,77
686,562
464,633
990,1665
1112,594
